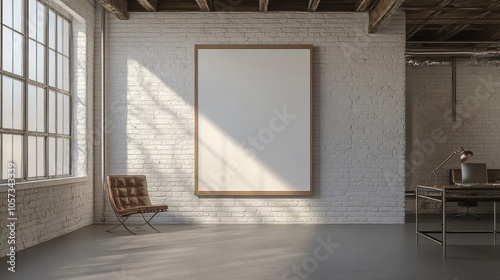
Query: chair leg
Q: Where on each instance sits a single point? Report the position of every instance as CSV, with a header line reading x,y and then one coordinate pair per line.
x,y
122,223
147,221
466,214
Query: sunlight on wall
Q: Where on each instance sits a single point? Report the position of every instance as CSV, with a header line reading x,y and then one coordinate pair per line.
x,y
146,92
241,172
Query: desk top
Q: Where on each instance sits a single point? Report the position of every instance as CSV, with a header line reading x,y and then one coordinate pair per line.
x,y
479,193
483,187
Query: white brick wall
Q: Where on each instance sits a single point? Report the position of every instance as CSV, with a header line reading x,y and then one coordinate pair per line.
x,y
52,208
429,108
359,113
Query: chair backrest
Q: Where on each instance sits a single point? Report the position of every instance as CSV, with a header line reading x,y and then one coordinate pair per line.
x,y
456,176
494,175
127,191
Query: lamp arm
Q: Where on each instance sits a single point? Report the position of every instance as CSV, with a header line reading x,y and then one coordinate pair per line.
x,y
446,160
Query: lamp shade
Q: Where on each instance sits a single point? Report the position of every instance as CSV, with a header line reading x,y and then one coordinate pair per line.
x,y
465,155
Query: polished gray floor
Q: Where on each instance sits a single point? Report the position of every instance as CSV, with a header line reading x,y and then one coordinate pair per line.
x,y
242,252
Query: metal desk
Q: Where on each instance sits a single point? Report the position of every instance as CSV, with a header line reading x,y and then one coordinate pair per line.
x,y
452,193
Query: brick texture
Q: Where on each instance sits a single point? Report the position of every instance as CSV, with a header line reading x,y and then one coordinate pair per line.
x,y
358,113
429,109
49,209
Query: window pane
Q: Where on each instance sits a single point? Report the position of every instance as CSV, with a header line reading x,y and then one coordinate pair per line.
x,y
36,156
66,156
52,68
59,71
40,100
6,157
12,105
17,104
7,12
60,156
36,109
7,153
36,61
32,19
60,116
12,53
40,64
18,17
65,74
32,108
40,163
52,30
17,58
40,18
59,34
7,49
12,146
66,37
52,156
66,116
52,112
32,60
7,105
32,156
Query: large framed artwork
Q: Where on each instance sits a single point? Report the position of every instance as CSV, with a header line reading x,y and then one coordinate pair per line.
x,y
253,120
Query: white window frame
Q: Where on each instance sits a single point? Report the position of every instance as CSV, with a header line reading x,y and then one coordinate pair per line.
x,y
26,82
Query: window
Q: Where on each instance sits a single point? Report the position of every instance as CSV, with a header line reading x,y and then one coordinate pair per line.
x,y
36,98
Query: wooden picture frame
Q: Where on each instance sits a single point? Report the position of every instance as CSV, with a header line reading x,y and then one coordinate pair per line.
x,y
253,120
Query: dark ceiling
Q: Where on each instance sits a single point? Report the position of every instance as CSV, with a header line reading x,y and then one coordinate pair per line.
x,y
427,21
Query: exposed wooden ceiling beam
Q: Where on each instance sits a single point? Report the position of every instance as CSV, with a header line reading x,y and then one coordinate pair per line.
x,y
451,31
489,34
149,5
116,7
432,14
445,9
362,5
203,5
455,21
382,11
313,5
263,5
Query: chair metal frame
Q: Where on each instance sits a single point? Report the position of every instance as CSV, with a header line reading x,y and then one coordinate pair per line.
x,y
146,221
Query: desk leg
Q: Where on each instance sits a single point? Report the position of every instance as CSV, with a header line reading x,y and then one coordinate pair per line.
x,y
495,223
444,222
416,214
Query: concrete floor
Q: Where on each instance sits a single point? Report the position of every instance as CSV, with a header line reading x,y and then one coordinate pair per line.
x,y
253,252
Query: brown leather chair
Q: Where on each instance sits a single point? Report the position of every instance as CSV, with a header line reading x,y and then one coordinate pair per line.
x,y
128,195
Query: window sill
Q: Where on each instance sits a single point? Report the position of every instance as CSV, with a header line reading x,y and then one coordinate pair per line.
x,y
19,186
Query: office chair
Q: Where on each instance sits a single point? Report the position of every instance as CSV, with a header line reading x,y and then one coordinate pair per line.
x,y
456,177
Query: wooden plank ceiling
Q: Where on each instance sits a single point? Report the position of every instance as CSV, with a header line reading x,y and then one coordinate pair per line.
x,y
427,21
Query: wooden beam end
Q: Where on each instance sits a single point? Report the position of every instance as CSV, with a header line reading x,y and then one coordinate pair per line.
x,y
149,5
313,5
362,5
204,7
381,12
119,8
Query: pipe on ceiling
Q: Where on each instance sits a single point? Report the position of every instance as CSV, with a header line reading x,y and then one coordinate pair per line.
x,y
458,53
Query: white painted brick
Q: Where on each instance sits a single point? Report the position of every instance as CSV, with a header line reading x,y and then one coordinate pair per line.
x,y
358,113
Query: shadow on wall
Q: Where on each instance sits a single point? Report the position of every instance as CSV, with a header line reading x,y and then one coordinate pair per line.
x,y
150,130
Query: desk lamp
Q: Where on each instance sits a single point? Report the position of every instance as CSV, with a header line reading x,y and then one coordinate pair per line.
x,y
464,156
